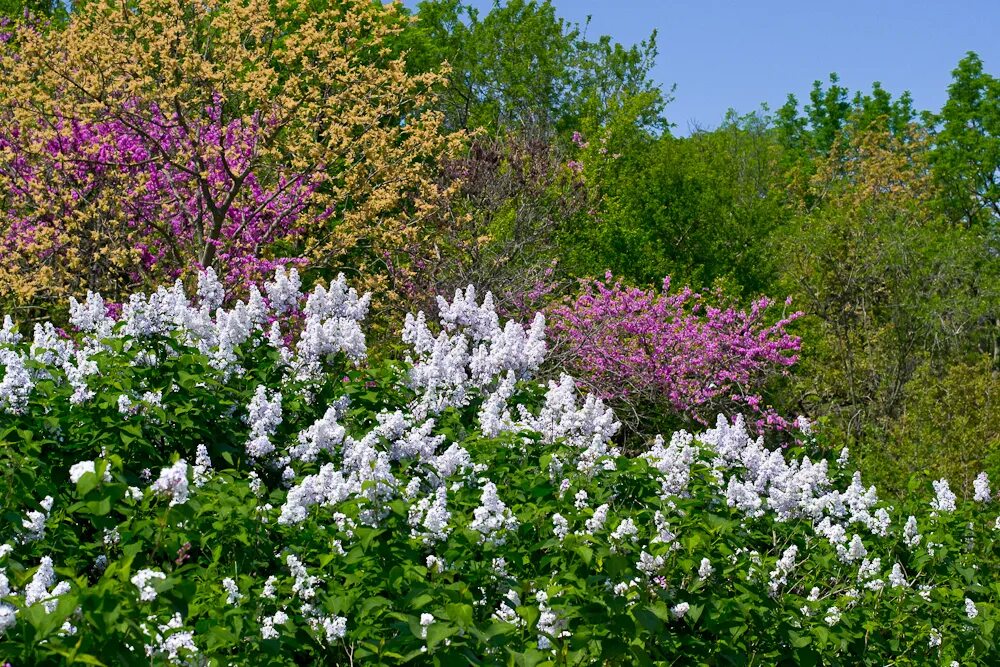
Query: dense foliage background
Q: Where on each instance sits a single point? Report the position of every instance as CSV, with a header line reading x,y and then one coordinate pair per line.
x,y
825,275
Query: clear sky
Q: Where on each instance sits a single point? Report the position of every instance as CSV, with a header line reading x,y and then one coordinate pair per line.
x,y
724,54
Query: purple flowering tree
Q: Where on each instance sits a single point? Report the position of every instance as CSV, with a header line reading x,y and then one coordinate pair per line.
x,y
655,351
162,196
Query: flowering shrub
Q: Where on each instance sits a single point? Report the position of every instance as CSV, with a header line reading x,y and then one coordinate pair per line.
x,y
674,351
202,485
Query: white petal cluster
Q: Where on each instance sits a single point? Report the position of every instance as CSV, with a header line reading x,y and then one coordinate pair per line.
x,y
674,462
426,621
625,531
15,384
233,595
897,579
945,498
171,641
267,629
283,292
981,485
784,566
560,526
323,436
44,578
8,614
78,470
550,625
145,580
911,534
472,351
202,467
327,487
304,585
332,326
9,335
211,293
334,628
91,316
596,522
34,521
264,418
173,483
492,518
649,564
429,517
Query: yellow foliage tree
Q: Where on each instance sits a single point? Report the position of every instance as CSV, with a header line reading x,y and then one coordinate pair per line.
x,y
198,117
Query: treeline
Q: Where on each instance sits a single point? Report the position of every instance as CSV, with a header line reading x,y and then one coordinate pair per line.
x,y
423,151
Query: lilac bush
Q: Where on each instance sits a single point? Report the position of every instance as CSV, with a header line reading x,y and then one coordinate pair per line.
x,y
192,484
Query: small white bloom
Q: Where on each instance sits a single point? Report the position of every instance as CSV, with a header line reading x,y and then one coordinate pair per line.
x,y
335,628
896,578
233,595
144,580
982,488
560,526
173,482
78,470
425,622
945,499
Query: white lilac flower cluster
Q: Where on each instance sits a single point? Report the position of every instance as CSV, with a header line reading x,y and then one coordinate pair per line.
x,y
472,351
173,483
170,640
16,383
78,470
493,518
34,522
264,418
144,581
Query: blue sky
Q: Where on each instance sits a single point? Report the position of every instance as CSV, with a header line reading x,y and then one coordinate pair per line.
x,y
724,54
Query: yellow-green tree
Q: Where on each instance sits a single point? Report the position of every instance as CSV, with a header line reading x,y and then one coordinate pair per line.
x,y
885,279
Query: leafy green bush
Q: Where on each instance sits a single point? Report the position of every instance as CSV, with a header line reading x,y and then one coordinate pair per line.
x,y
192,485
949,426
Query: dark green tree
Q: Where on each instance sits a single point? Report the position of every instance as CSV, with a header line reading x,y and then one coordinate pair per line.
x,y
520,66
967,155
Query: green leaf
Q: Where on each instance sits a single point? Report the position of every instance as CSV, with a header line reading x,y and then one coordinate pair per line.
x,y
460,614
